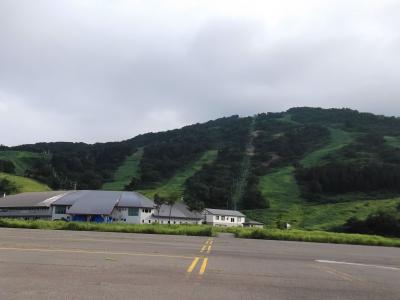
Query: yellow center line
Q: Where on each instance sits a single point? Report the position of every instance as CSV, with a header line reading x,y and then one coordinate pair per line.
x,y
203,266
209,249
203,249
83,251
193,264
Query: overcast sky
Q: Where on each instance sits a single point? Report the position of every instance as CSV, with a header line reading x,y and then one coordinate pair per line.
x,y
106,70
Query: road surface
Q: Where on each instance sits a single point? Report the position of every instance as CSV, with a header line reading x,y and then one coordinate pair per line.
x,y
39,264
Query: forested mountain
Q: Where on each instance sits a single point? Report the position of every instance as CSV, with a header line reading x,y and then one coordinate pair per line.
x,y
270,164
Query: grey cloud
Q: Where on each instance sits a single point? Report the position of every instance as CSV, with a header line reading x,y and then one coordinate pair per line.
x,y
108,70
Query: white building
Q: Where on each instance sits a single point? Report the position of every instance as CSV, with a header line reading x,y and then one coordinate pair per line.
x,y
109,206
225,218
103,206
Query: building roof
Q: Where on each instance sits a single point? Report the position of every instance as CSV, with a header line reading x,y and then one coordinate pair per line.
x,y
224,212
101,202
36,199
133,199
179,211
251,222
81,202
91,202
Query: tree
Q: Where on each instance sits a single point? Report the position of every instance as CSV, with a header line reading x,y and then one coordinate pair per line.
x,y
7,187
171,200
7,166
158,201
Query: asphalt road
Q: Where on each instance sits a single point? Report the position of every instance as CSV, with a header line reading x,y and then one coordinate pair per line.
x,y
36,264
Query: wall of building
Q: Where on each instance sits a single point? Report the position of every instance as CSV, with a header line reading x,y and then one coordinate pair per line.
x,y
28,213
224,221
144,215
164,220
59,216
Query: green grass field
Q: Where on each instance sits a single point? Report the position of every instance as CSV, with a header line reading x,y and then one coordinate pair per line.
x,y
175,185
24,184
21,159
286,205
281,191
393,141
329,216
338,139
124,174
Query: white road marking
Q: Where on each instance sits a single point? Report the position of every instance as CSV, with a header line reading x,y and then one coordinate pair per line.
x,y
356,264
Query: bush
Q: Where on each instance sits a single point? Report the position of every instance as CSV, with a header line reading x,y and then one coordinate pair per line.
x,y
315,236
192,230
381,223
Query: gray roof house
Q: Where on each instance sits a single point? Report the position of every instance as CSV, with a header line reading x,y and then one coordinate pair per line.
x,y
29,205
251,223
180,214
224,218
79,206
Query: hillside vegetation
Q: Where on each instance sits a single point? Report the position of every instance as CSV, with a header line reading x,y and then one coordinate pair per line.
x,y
125,172
22,160
174,187
310,167
21,184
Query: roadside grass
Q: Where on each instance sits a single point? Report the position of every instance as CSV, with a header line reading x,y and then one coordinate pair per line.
x,y
124,174
338,139
204,230
191,230
316,236
25,184
175,185
393,141
22,160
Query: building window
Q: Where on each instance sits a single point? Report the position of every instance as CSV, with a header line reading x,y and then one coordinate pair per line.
x,y
223,218
232,220
217,217
133,212
61,210
149,221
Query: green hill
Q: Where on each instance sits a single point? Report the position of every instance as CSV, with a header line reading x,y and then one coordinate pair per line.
x,y
124,174
22,160
175,185
314,168
24,185
337,140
